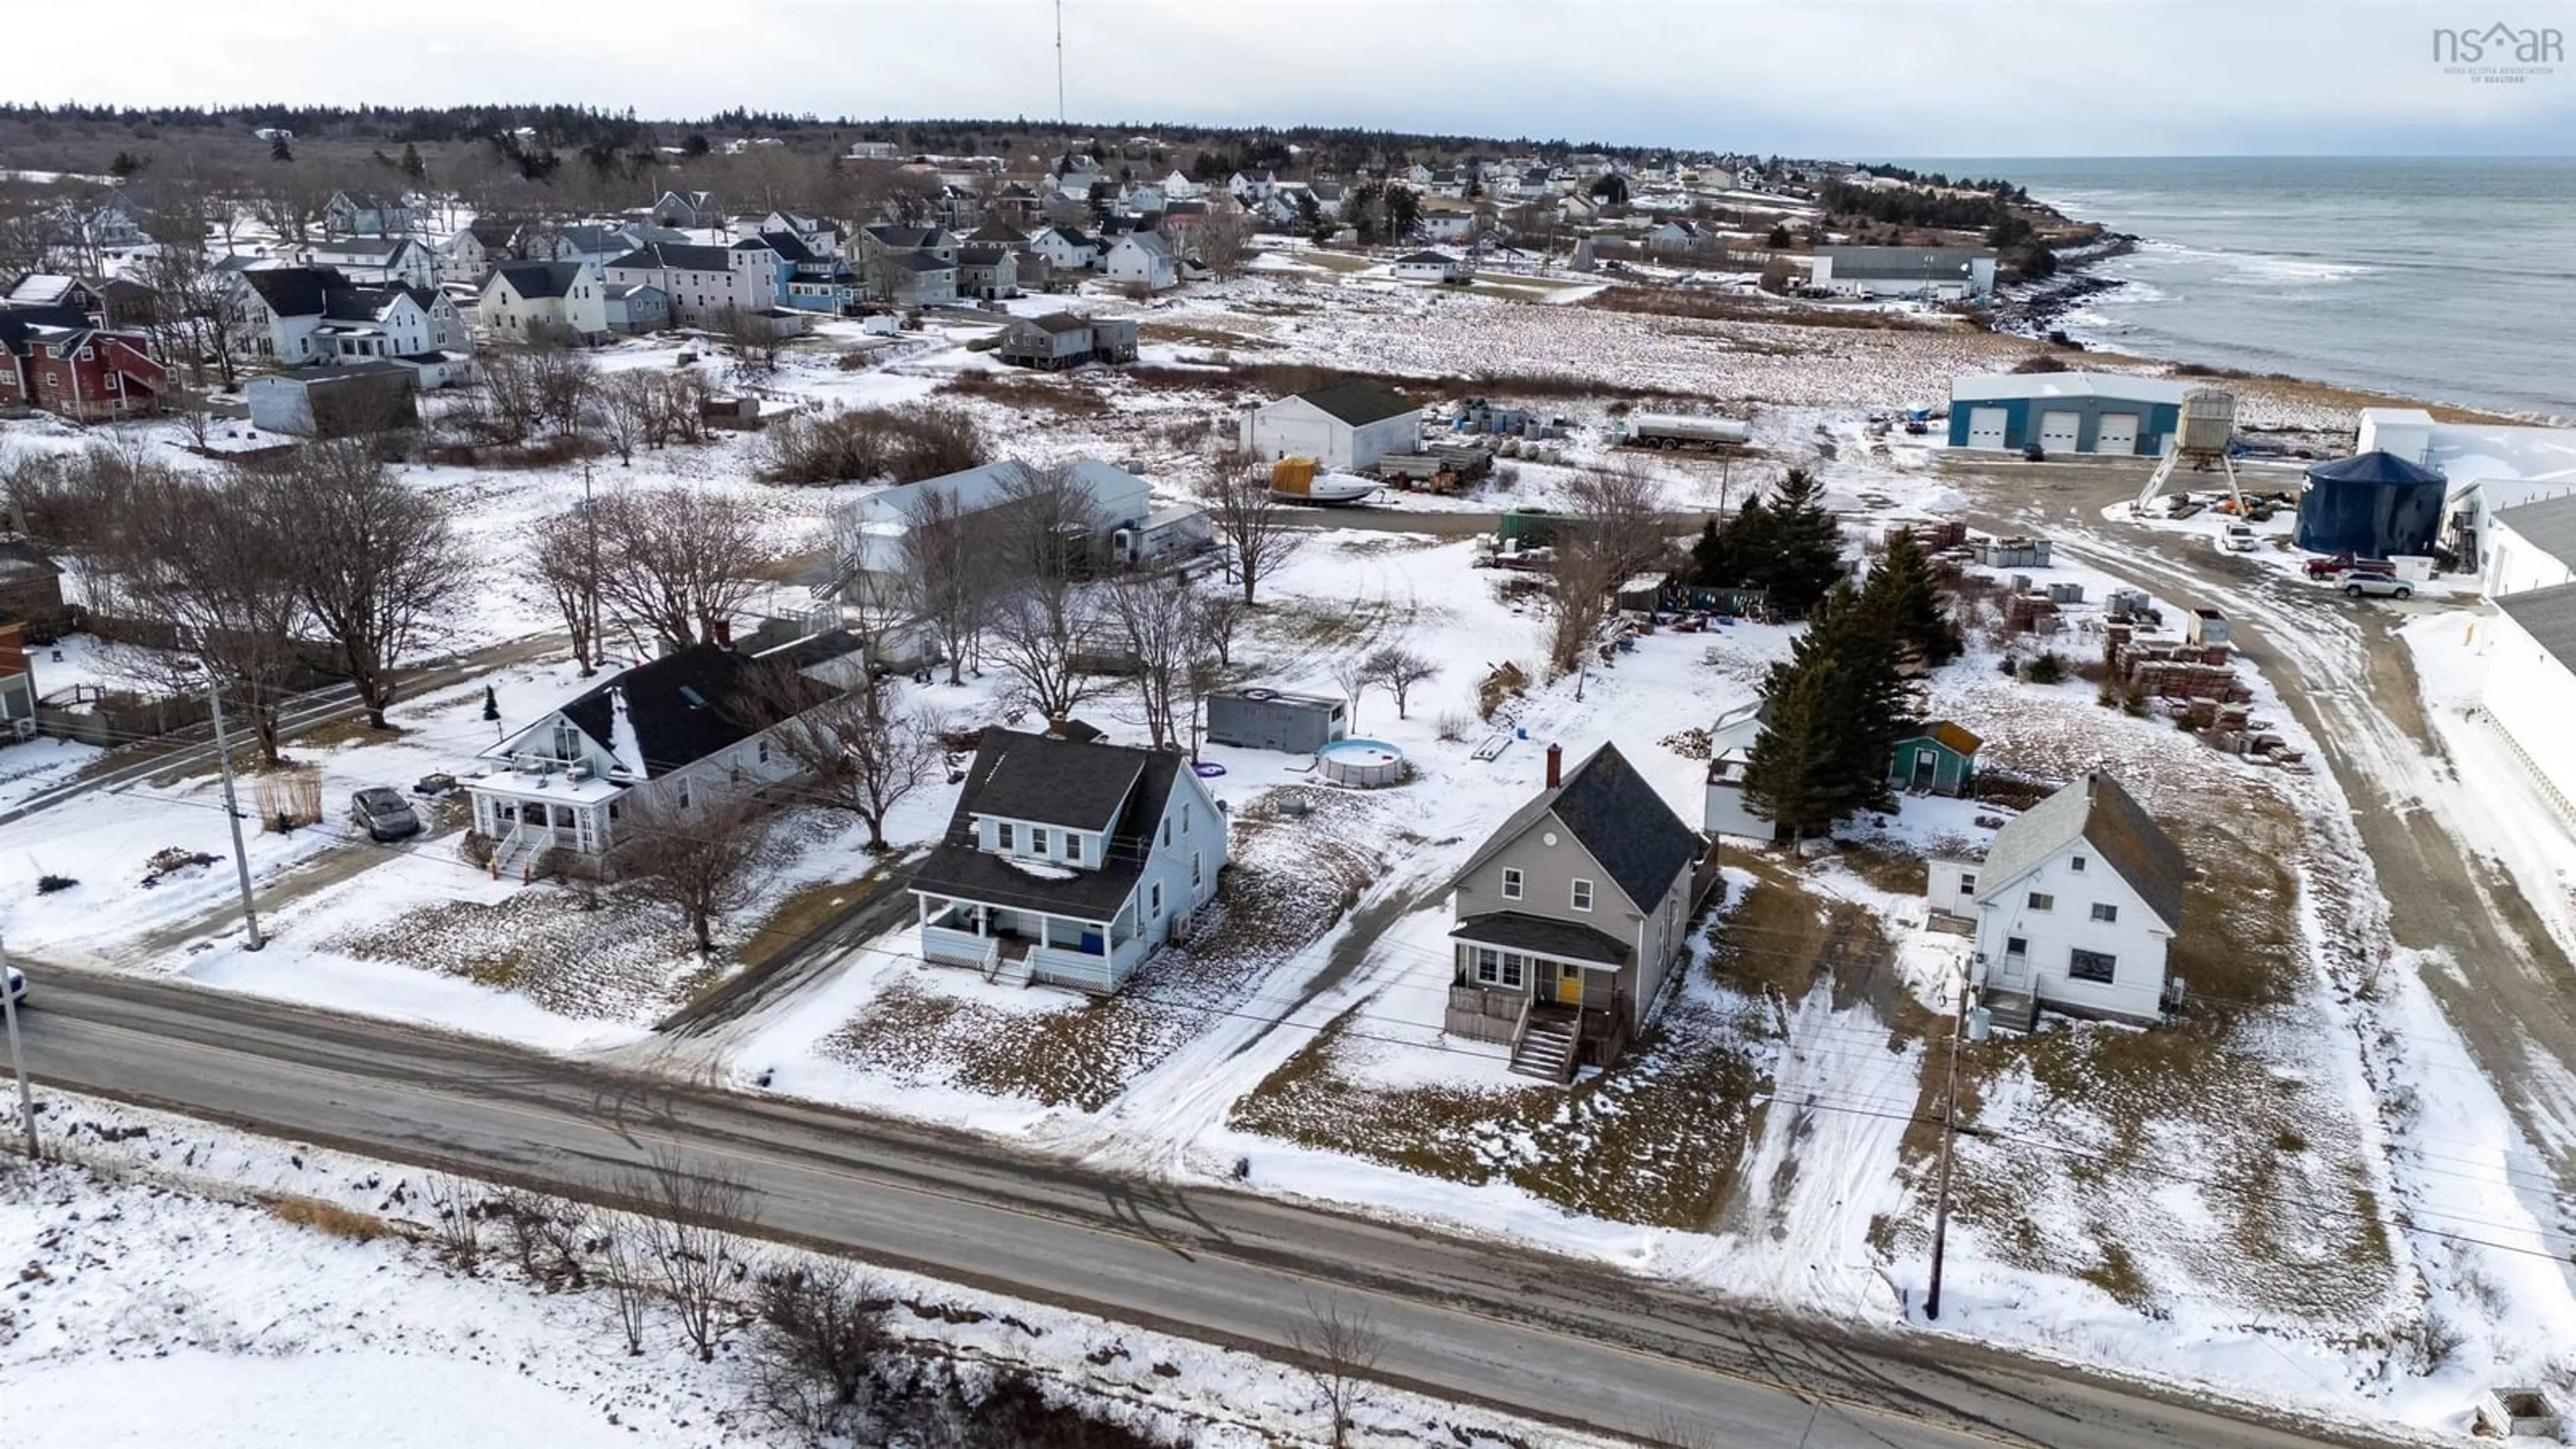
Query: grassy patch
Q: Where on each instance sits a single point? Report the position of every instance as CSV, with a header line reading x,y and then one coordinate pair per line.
x,y
1725,307
2217,1118
328,1217
572,951
1656,1139
1065,396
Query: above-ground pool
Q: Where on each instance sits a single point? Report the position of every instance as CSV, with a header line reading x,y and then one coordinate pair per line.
x,y
1365,763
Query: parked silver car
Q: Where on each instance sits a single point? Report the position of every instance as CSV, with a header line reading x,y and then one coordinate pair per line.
x,y
2369,583
383,814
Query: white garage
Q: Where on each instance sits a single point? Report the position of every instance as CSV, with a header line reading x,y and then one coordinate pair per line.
x,y
2119,434
1347,426
2059,431
1986,427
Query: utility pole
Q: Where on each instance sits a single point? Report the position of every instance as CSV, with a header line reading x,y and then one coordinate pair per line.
x,y
1059,64
232,812
17,1059
590,530
1949,1137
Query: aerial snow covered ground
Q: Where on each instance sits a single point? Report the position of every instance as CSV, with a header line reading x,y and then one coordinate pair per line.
x,y
1151,1083
162,1297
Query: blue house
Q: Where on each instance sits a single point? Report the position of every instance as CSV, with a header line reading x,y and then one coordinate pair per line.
x,y
2066,412
1068,860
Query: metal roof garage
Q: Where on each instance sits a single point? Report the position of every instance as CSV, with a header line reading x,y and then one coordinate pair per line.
x,y
2065,412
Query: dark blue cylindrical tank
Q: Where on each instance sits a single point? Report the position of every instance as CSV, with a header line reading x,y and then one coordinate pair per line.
x,y
2373,505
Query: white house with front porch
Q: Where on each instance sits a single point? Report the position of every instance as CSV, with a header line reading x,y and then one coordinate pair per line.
x,y
1068,861
668,730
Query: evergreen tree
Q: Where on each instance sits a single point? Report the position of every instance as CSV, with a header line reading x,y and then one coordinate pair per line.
x,y
125,165
278,150
1800,558
1786,777
1901,598
412,165
1832,713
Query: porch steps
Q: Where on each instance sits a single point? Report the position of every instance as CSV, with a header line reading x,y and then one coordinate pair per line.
x,y
1546,1050
1010,971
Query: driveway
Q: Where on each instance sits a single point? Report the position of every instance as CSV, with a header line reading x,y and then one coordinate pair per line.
x,y
2345,674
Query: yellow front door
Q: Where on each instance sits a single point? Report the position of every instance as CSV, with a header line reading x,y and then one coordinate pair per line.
x,y
1569,986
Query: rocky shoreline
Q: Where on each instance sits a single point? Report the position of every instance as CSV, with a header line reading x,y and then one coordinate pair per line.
x,y
2032,309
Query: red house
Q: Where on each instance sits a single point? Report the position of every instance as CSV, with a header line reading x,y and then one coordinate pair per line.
x,y
87,374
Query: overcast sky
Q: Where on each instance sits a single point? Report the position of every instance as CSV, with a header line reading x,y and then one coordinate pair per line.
x,y
1857,78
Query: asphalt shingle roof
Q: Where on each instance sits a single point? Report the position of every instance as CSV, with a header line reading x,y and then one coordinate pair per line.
x,y
2548,616
540,279
1520,931
1023,776
683,707
2548,525
2095,810
1616,816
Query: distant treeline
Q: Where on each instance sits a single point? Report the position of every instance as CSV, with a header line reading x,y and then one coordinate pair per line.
x,y
578,127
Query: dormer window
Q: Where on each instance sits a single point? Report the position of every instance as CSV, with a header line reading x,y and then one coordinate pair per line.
x,y
1002,835
1037,840
1073,848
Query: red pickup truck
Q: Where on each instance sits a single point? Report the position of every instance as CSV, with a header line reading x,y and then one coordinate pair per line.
x,y
2328,565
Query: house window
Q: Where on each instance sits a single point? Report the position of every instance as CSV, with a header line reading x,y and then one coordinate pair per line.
x,y
1583,895
2105,912
1185,817
2016,946
1073,847
1197,876
2042,901
1967,883
1154,898
2075,863
1511,884
1002,832
2086,965
1500,968
1037,840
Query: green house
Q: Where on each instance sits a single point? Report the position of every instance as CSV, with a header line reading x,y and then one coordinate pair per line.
x,y
1939,759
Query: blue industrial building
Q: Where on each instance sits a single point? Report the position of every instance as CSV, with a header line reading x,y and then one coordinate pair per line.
x,y
2066,412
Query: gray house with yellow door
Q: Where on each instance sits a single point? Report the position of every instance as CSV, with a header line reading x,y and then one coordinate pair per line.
x,y
1571,914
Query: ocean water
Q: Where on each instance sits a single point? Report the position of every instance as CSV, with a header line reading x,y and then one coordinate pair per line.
x,y
2448,280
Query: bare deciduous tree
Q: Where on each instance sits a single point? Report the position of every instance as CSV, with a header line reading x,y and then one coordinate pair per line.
x,y
184,555
1616,529
567,559
1042,622
1341,1348
1254,524
691,1212
1221,243
1159,621
861,749
1220,615
623,1266
692,853
1351,674
821,1333
623,409
673,562
944,575
1398,669
374,562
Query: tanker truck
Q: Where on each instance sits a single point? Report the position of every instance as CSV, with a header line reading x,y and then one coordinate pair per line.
x,y
1676,430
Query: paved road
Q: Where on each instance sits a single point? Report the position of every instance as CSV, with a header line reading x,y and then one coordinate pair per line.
x,y
2341,669
1560,1340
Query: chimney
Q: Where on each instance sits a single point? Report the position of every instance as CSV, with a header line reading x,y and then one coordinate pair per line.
x,y
721,632
1555,766
1055,727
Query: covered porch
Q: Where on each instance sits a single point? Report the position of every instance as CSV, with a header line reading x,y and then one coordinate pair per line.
x,y
1019,945
523,823
1555,993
